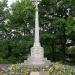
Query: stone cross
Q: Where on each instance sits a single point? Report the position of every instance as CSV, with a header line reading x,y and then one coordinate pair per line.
x,y
37,52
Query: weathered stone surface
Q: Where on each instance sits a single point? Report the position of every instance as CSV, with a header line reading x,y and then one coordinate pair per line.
x,y
34,73
39,73
44,73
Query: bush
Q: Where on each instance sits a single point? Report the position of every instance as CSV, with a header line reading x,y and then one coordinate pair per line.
x,y
53,69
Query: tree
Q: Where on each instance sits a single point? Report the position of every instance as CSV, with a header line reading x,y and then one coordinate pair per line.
x,y
3,29
19,36
21,18
55,21
56,27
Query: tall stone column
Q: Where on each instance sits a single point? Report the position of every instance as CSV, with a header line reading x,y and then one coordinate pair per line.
x,y
36,40
37,52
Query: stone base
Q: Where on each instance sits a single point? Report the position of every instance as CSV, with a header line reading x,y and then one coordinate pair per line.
x,y
37,58
39,73
36,63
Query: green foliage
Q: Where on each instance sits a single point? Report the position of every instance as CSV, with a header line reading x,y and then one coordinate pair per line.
x,y
70,24
56,26
22,16
53,69
59,23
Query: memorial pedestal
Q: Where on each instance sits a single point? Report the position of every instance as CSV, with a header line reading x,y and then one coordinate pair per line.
x,y
37,58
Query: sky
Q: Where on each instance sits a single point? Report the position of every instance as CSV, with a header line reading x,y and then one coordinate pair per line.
x,y
10,2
